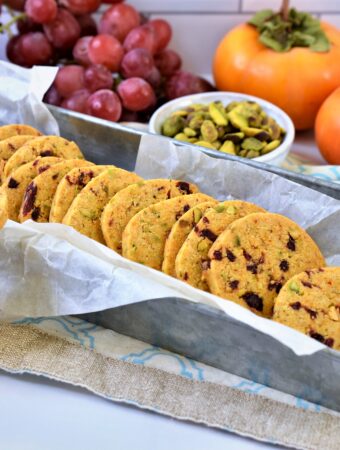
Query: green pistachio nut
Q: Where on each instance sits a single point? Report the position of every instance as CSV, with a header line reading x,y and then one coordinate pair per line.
x,y
293,286
251,132
209,131
271,146
172,126
228,147
218,114
205,144
189,132
237,119
182,137
197,215
252,143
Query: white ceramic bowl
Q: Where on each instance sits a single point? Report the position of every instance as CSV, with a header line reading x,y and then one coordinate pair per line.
x,y
275,157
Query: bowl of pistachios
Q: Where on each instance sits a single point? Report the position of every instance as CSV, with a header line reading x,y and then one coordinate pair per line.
x,y
227,123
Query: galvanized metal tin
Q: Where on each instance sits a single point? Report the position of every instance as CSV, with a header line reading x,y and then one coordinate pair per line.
x,y
200,332
107,142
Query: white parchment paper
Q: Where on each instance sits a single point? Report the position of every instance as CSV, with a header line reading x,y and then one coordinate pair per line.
x,y
51,270
21,92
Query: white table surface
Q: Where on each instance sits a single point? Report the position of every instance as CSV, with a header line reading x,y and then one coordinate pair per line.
x,y
40,414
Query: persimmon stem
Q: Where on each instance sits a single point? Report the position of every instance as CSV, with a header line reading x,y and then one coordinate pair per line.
x,y
285,10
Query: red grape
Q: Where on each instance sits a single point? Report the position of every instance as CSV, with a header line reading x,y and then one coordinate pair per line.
x,y
81,6
136,94
140,37
26,25
129,116
77,101
185,83
168,62
70,79
154,78
17,5
162,31
137,63
104,104
106,50
13,52
81,50
34,49
88,26
119,20
52,96
41,11
64,31
98,77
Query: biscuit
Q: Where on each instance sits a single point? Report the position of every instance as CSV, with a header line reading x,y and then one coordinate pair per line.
x,y
39,194
254,257
8,131
69,187
8,147
86,209
129,201
193,254
42,146
16,184
310,303
3,207
178,234
145,235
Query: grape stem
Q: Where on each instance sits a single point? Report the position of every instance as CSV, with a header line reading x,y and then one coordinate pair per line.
x,y
7,26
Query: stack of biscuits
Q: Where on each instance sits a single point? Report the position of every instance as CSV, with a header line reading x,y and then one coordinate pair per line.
x,y
234,249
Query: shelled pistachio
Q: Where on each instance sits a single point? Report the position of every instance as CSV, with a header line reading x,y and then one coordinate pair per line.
x,y
239,128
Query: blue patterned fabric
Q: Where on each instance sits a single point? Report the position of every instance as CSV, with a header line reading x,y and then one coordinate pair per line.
x,y
112,344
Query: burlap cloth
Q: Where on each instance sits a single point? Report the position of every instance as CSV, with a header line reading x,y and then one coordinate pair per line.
x,y
26,348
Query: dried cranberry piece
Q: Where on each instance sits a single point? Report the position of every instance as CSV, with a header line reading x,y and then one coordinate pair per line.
x,y
183,186
307,284
218,255
275,285
296,306
231,256
252,268
291,243
284,265
246,255
234,284
29,198
329,342
12,183
47,153
186,276
186,208
317,336
209,234
43,168
253,300
313,314
35,213
205,219
55,176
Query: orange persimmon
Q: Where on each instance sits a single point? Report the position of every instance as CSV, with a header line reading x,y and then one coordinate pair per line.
x,y
327,128
297,80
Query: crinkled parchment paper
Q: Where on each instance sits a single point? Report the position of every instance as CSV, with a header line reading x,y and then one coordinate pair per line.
x,y
51,270
21,92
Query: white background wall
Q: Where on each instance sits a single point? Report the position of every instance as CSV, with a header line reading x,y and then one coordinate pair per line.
x,y
199,25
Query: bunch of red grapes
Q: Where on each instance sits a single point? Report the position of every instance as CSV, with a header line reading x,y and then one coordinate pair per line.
x,y
117,69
